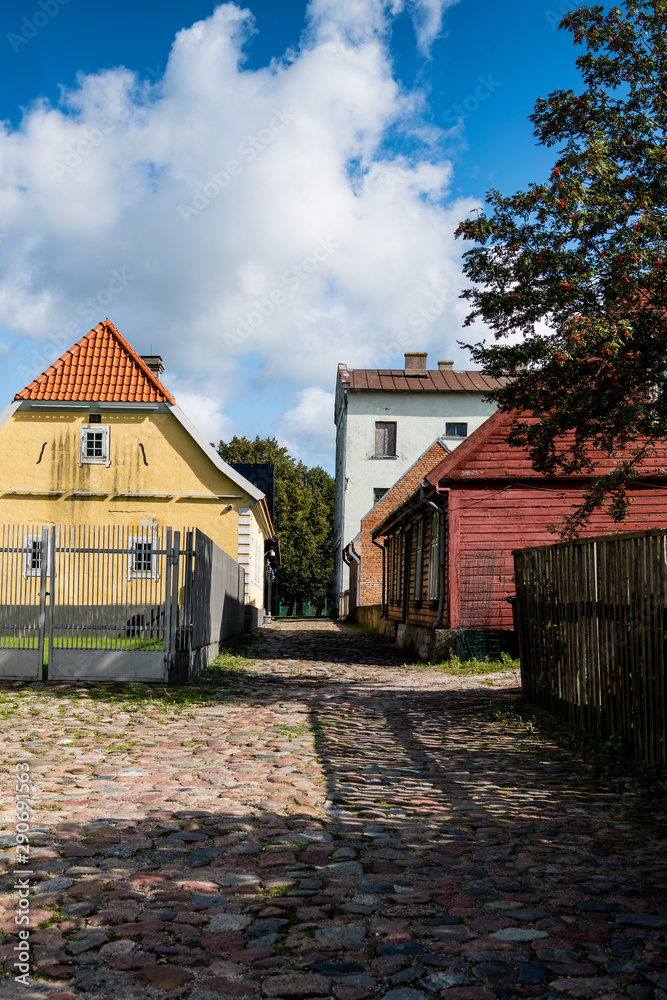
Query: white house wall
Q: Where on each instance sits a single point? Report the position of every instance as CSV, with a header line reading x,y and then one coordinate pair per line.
x,y
420,419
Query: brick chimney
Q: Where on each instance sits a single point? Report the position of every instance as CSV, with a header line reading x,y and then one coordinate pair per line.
x,y
415,362
154,362
445,366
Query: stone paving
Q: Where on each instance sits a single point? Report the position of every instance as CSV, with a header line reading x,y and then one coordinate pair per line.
x,y
324,822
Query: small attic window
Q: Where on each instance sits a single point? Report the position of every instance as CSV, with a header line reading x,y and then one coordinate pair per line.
x,y
456,430
94,445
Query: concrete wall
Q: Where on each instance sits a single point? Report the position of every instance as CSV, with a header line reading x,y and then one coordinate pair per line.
x,y
39,452
217,597
436,645
431,645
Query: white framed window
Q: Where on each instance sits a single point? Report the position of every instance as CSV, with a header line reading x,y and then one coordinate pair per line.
x,y
94,445
434,559
33,548
142,558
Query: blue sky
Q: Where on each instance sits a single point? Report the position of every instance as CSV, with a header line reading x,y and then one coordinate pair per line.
x,y
388,132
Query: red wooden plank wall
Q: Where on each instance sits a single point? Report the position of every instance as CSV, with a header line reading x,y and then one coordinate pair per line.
x,y
517,518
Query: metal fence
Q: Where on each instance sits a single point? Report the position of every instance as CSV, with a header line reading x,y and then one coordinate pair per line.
x,y
216,605
591,618
113,602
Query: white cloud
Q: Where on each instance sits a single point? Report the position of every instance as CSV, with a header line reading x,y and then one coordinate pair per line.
x,y
308,429
252,226
427,17
360,20
204,411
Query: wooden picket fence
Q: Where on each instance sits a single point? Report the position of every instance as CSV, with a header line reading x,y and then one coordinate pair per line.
x,y
591,618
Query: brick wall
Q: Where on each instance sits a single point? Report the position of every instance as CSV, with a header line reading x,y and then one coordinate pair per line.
x,y
370,590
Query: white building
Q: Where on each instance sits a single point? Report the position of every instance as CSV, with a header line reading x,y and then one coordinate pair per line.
x,y
384,421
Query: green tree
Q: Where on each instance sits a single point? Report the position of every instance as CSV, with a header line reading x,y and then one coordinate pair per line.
x,y
304,510
576,264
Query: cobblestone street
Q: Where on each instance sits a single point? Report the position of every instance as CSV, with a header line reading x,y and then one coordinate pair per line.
x,y
321,821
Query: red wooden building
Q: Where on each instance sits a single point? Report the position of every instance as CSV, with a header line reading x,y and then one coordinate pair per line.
x,y
448,562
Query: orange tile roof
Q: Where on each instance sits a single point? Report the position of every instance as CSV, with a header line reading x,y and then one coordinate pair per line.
x,y
102,366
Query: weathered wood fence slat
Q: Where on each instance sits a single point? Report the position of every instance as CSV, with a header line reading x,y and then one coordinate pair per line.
x,y
591,618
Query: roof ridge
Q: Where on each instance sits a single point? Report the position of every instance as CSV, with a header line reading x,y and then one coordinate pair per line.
x,y
138,359
65,369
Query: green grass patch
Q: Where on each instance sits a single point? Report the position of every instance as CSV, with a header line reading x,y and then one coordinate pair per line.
x,y
282,889
19,642
228,664
470,668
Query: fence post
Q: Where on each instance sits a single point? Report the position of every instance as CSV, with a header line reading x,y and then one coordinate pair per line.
x,y
42,595
187,597
166,624
51,562
173,557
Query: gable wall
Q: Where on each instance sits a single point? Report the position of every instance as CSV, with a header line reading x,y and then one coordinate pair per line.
x,y
176,465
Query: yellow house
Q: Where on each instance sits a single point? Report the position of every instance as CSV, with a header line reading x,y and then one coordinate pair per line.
x,y
98,440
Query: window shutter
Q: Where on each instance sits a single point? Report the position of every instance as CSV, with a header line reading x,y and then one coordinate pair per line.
x,y
390,576
399,567
434,558
419,560
385,438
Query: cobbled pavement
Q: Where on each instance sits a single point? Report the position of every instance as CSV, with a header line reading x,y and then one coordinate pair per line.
x,y
328,823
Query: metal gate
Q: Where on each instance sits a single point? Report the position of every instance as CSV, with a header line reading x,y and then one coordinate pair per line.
x,y
22,601
113,602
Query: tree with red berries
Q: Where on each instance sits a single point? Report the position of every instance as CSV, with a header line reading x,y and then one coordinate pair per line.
x,y
575,264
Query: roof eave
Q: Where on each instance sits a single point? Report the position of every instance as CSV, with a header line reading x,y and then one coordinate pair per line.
x,y
212,454
412,502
